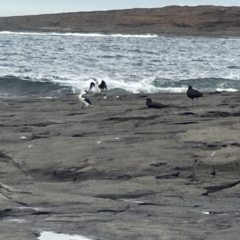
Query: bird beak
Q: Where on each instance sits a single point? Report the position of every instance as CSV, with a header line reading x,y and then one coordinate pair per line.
x,y
144,101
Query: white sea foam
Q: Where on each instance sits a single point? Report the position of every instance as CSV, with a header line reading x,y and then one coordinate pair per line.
x,y
227,89
144,85
233,76
81,34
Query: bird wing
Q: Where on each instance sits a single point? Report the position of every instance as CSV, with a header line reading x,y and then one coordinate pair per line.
x,y
157,105
197,93
87,100
103,85
92,85
193,93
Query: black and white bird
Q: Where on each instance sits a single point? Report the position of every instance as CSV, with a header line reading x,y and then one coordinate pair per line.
x,y
193,93
83,100
152,104
96,88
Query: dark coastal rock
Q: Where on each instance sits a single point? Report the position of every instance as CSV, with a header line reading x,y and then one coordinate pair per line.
x,y
172,20
117,171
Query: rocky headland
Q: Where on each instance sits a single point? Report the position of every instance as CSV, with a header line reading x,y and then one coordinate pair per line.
x,y
172,20
118,170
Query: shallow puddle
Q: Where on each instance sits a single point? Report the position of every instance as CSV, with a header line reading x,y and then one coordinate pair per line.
x,y
56,236
206,213
131,200
30,208
16,220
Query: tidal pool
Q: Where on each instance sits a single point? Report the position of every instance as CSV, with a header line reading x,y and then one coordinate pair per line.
x,y
58,236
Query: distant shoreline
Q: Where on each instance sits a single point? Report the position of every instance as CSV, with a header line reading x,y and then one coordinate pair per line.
x,y
207,21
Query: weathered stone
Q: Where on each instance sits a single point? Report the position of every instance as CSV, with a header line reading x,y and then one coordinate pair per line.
x,y
117,170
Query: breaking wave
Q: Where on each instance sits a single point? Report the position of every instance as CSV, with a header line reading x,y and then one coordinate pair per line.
x,y
82,34
12,86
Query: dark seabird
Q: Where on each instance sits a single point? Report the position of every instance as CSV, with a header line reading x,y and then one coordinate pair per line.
x,y
84,101
193,93
97,88
103,85
152,104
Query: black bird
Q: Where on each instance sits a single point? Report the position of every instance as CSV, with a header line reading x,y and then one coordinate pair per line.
x,y
152,104
97,88
103,85
193,93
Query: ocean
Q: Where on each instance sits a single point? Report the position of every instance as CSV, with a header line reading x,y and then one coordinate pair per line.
x,y
54,64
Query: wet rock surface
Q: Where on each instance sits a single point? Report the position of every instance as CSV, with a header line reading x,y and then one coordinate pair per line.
x,y
172,20
118,170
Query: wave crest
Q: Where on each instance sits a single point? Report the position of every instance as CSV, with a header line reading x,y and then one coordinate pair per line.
x,y
13,86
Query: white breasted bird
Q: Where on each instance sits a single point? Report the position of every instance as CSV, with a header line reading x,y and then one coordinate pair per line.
x,y
95,87
83,100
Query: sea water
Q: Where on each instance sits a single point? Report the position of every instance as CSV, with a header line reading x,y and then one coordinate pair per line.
x,y
53,64
58,236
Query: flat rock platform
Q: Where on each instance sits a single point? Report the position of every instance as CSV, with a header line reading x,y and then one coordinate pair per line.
x,y
118,170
